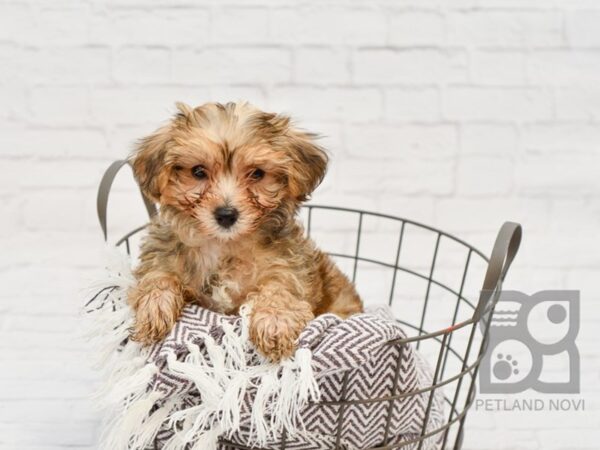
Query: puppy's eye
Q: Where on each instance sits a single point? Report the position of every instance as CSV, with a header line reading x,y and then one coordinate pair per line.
x,y
199,172
257,174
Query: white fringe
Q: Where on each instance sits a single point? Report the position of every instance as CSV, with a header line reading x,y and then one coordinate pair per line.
x,y
131,424
222,377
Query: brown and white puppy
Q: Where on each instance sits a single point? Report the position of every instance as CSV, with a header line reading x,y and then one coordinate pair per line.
x,y
229,180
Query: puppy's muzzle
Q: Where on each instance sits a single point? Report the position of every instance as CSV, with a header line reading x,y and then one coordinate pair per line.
x,y
226,216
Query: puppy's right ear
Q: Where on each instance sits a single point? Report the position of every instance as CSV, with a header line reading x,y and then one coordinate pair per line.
x,y
149,165
149,158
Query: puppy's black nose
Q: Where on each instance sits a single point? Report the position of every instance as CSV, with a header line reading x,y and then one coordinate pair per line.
x,y
226,216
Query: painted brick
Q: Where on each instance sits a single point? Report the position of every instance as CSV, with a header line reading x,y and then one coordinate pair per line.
x,y
228,93
328,104
68,65
234,25
499,68
409,28
56,25
488,139
147,105
60,105
14,104
505,28
558,174
407,141
484,175
14,20
410,104
411,66
321,65
483,218
510,104
232,65
563,67
317,25
142,65
157,26
420,177
12,61
560,139
582,28
578,104
41,211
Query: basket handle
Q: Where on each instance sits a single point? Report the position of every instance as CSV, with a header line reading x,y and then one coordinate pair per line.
x,y
104,191
504,252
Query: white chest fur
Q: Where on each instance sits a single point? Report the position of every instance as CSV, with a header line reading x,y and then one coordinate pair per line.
x,y
213,263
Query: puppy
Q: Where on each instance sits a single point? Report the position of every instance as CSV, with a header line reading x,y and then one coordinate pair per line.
x,y
229,180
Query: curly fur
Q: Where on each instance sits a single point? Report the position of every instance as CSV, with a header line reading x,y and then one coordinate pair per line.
x,y
264,258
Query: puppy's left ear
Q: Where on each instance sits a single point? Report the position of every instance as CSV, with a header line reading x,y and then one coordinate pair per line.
x,y
309,163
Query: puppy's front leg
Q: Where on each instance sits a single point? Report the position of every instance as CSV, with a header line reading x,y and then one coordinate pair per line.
x,y
276,320
157,300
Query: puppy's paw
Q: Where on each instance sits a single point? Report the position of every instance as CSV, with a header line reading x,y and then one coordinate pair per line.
x,y
274,330
156,311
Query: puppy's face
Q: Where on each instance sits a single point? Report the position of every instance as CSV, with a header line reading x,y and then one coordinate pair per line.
x,y
231,168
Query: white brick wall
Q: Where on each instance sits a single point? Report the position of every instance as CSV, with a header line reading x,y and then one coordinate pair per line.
x,y
459,113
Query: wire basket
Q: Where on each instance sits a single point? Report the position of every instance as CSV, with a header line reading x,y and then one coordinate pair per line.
x,y
441,290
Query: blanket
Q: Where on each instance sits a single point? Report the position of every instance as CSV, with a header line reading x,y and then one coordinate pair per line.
x,y
205,387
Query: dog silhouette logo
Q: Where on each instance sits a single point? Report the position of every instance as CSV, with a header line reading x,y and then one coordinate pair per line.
x,y
531,341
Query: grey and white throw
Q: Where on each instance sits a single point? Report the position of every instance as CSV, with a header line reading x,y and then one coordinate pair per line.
x,y
205,387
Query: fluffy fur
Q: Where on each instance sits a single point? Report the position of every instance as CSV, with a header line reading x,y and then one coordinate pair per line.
x,y
256,163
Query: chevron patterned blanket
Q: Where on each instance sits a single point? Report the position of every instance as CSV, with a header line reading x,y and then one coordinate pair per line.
x,y
205,387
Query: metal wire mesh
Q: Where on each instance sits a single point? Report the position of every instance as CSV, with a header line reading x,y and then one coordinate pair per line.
x,y
446,321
